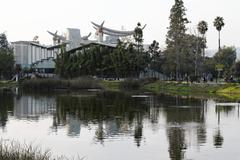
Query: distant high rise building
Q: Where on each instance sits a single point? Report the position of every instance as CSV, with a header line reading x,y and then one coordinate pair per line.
x,y
73,38
112,39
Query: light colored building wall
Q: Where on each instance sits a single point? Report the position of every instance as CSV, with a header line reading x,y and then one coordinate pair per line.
x,y
29,54
21,54
34,53
73,37
26,53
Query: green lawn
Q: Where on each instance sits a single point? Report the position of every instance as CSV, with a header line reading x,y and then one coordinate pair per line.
x,y
110,85
8,84
181,88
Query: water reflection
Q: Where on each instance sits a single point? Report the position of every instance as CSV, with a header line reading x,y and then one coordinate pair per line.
x,y
28,107
183,115
6,106
218,139
227,110
112,114
116,115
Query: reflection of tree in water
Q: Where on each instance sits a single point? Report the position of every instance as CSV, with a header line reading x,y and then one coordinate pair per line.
x,y
179,113
6,105
223,109
112,113
138,130
116,114
176,143
201,134
218,139
99,133
201,130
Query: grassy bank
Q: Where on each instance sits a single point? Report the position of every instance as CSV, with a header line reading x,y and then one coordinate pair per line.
x,y
126,85
230,91
72,84
179,87
8,84
110,85
227,90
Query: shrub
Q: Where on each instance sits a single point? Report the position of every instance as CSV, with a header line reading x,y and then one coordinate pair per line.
x,y
54,84
130,84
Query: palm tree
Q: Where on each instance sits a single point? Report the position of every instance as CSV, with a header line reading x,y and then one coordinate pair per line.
x,y
202,29
219,23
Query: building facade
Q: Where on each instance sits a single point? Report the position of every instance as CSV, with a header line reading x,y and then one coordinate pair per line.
x,y
73,38
27,53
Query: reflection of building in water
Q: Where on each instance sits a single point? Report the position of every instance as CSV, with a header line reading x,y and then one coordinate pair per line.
x,y
32,108
74,125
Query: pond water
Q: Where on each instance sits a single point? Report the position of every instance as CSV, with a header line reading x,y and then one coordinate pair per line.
x,y
107,125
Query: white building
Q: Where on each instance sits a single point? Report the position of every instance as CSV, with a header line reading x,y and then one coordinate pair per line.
x,y
27,53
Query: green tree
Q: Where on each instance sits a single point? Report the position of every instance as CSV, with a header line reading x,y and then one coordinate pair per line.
x,y
209,66
190,59
219,24
227,58
191,55
138,36
138,59
157,57
6,58
126,60
176,34
90,60
237,69
63,63
120,61
202,29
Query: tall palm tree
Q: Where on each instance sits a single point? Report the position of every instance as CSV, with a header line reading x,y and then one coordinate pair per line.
x,y
202,29
219,23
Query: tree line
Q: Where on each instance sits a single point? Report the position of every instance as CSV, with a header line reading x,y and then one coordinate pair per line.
x,y
124,60
184,55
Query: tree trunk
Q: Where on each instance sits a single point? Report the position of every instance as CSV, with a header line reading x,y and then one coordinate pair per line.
x,y
203,50
177,63
219,42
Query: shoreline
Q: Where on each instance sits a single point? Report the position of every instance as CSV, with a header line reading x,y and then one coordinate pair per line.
x,y
226,90
8,84
229,91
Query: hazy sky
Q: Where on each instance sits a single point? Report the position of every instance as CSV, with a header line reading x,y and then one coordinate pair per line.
x,y
23,19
